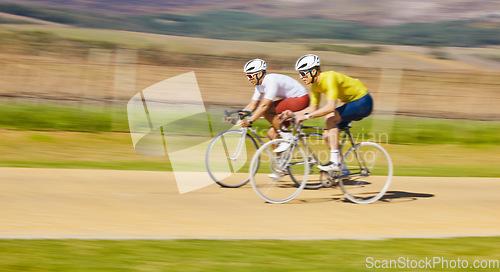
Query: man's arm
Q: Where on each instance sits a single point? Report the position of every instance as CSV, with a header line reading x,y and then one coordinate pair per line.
x,y
289,113
309,109
326,109
330,107
252,105
263,106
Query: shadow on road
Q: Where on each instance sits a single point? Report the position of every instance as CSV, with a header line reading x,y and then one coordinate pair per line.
x,y
390,196
396,196
401,195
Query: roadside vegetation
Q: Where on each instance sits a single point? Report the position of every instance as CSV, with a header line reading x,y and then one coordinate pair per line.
x,y
235,25
247,255
398,130
56,136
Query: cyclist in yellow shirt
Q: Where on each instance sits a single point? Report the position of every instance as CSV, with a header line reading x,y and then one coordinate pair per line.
x,y
358,103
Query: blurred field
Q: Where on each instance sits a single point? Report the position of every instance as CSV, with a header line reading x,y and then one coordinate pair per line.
x,y
63,98
384,13
245,23
238,255
106,68
58,149
59,79
72,79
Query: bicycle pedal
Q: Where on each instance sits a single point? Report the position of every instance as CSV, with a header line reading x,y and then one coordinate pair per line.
x,y
328,183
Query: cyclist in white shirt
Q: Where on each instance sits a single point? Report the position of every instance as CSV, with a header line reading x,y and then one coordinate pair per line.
x,y
274,93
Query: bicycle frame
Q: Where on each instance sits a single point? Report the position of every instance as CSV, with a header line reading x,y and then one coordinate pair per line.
x,y
303,137
359,158
347,137
255,135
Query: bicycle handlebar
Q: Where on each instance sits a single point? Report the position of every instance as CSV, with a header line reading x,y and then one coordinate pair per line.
x,y
233,119
241,113
295,127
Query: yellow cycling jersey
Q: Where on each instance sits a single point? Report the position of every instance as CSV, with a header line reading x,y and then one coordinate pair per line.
x,y
337,86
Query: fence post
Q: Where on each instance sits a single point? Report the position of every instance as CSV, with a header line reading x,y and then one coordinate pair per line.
x,y
386,102
124,81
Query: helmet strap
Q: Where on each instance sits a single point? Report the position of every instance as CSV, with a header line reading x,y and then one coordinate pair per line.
x,y
315,74
259,78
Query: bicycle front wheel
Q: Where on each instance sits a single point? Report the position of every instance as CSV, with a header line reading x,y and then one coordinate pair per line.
x,y
317,152
270,172
228,153
366,173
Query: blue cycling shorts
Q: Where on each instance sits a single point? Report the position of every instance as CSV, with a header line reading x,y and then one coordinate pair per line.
x,y
355,110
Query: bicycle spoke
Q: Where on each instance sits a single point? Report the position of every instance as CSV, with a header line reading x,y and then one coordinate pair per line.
x,y
226,151
316,150
370,173
272,181
229,153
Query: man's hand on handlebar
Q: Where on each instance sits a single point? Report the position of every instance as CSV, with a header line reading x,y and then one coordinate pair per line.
x,y
231,119
285,115
300,118
288,114
243,123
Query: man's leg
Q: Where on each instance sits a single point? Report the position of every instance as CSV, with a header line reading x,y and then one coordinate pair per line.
x,y
332,130
274,132
331,137
277,107
293,104
272,118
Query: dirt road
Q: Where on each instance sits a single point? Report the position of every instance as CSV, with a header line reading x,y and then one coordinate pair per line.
x,y
59,203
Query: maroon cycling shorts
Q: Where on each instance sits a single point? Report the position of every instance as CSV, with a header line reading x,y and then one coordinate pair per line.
x,y
293,104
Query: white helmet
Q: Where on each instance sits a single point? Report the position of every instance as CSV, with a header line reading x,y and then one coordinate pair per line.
x,y
254,66
307,62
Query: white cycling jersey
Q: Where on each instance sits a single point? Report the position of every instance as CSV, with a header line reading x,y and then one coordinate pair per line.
x,y
276,85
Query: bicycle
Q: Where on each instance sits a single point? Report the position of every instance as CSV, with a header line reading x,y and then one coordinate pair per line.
x,y
365,176
229,151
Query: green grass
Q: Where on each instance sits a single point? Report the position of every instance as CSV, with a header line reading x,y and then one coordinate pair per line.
x,y
237,255
399,130
410,130
440,170
111,150
438,131
61,117
139,165
56,136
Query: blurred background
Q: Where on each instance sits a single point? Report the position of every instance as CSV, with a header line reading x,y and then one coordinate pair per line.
x,y
68,69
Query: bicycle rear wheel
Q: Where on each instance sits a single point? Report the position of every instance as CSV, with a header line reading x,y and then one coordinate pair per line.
x,y
269,172
228,153
369,173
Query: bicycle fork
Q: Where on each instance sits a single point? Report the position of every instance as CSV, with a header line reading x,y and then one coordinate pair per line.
x,y
239,147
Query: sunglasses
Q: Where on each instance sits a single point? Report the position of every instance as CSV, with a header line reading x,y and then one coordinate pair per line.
x,y
304,73
250,76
